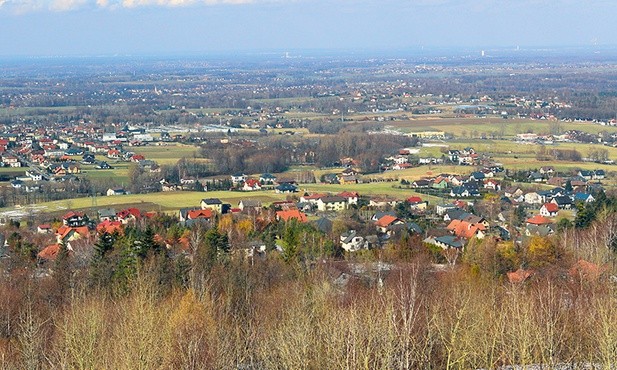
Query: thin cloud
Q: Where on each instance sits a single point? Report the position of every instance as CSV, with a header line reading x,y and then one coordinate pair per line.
x,y
25,6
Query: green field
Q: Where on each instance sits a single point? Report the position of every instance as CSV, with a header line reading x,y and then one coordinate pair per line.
x,y
167,154
468,127
165,201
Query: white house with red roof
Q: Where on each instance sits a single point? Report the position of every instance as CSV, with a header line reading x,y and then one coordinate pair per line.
x,y
549,210
351,196
251,185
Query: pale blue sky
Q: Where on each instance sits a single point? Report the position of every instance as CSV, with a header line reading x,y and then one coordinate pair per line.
x,y
94,27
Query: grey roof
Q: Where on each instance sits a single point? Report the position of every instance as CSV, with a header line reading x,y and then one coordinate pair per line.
x,y
211,201
250,203
323,224
541,230
333,199
412,226
107,212
451,241
457,214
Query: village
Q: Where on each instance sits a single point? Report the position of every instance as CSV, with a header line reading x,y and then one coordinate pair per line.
x,y
444,211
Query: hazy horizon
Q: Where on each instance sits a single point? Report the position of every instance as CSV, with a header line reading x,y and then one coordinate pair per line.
x,y
167,27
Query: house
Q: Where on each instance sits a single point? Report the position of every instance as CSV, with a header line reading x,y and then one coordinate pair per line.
x,y
255,248
533,198
447,242
488,173
441,209
492,184
167,186
34,176
332,203
110,227
598,175
44,229
513,192
116,191
351,196
17,184
549,210
107,214
504,233
440,183
267,179
135,158
113,154
417,204
563,202
214,204
187,181
74,219
67,234
237,178
477,176
413,227
382,202
583,197
128,215
585,174
455,214
538,220
183,213
351,242
347,179
50,253
453,155
536,177
286,188
379,215
11,161
460,192
312,198
247,205
538,230
102,166
73,151
385,223
421,184
467,230
324,225
291,215
402,166
251,185
547,170
194,214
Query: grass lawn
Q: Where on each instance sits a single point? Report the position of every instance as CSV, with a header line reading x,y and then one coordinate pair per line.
x,y
167,154
165,201
465,127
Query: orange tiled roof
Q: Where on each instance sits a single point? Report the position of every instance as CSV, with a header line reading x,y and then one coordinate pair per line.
x,y
50,252
385,221
519,276
109,227
538,220
587,269
199,213
292,213
551,207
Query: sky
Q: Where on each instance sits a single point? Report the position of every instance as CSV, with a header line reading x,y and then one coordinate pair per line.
x,y
163,27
